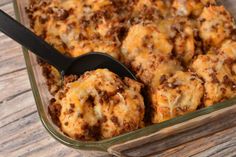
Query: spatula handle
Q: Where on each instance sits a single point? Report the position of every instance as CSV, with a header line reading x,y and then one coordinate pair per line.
x,y
29,40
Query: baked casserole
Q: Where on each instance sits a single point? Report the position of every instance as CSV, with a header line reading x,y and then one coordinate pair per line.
x,y
183,53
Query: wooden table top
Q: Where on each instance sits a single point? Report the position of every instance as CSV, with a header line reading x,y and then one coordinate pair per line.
x,y
21,131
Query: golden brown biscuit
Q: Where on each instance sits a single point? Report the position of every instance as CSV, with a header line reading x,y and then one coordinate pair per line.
x,y
190,7
145,11
216,72
178,95
228,49
228,52
185,47
148,52
146,38
183,32
99,105
216,24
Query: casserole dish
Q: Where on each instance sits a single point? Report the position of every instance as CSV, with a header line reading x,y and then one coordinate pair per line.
x,y
142,142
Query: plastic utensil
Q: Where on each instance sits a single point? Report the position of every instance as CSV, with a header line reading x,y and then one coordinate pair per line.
x,y
66,65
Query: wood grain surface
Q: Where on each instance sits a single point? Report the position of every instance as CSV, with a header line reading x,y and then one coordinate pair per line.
x,y
22,134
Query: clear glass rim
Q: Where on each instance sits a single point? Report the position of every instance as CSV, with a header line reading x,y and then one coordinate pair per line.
x,y
103,145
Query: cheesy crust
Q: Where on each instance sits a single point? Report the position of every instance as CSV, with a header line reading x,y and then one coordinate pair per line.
x,y
216,25
216,71
147,51
190,7
99,105
176,96
182,51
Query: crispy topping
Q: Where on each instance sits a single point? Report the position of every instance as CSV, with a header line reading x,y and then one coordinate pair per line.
x,y
183,51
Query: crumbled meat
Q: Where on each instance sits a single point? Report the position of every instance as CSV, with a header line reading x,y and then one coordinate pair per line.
x,y
183,53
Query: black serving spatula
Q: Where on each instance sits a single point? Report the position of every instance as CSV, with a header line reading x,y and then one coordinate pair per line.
x,y
66,65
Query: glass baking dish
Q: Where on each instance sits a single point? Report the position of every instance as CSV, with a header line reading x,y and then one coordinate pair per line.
x,y
142,142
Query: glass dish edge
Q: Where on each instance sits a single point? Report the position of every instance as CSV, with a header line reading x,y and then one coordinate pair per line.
x,y
103,145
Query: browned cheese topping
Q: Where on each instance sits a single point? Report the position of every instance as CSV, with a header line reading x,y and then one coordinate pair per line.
x,y
98,105
182,51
